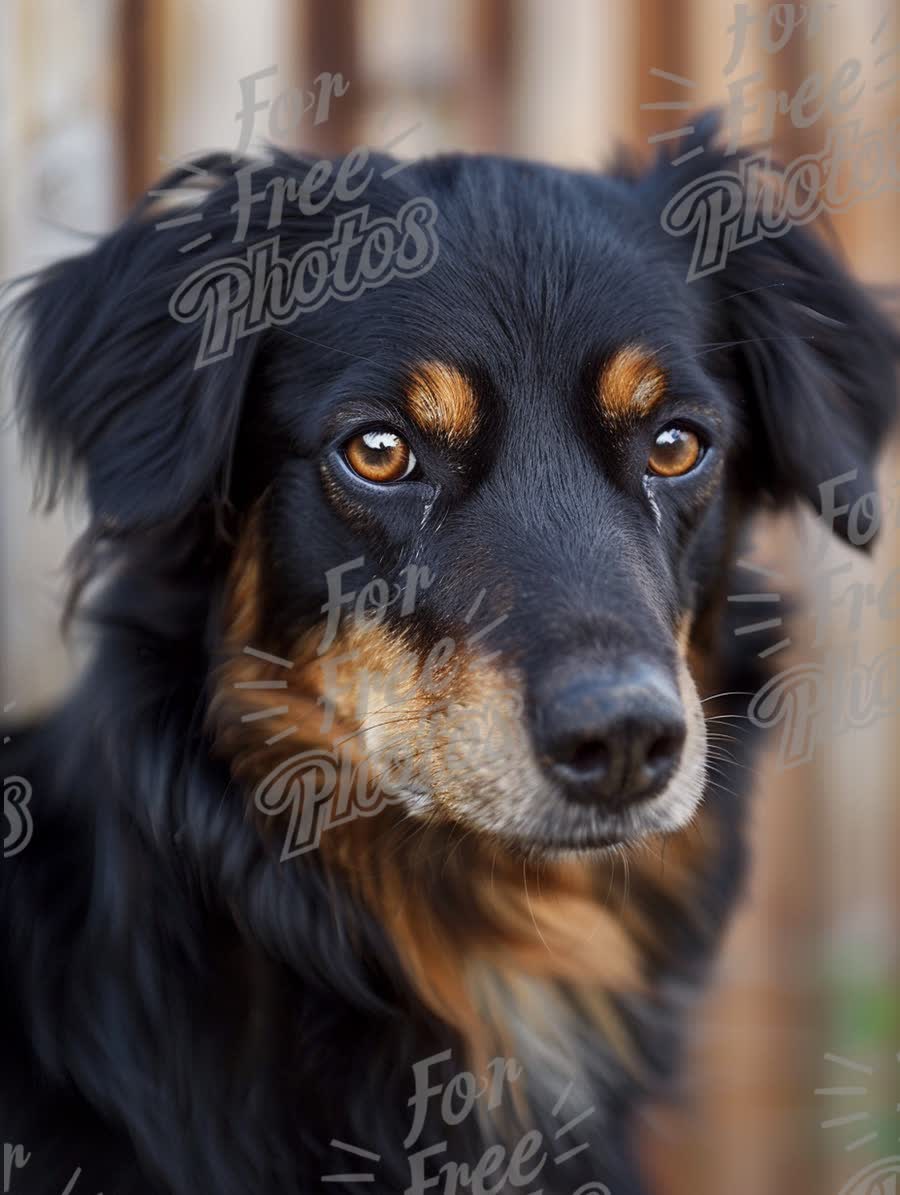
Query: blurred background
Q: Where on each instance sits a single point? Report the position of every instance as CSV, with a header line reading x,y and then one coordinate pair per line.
x,y
100,97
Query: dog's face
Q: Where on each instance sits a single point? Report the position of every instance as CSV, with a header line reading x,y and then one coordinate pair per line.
x,y
479,512
502,484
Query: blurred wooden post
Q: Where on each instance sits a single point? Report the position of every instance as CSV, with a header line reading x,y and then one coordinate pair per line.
x,y
860,771
487,90
662,46
141,80
332,36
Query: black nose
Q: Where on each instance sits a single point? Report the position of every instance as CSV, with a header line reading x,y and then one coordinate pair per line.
x,y
611,734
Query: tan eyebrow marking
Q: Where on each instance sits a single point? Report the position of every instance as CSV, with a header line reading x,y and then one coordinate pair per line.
x,y
631,383
442,402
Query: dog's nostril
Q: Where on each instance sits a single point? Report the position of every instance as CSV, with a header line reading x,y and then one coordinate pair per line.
x,y
663,750
660,759
589,758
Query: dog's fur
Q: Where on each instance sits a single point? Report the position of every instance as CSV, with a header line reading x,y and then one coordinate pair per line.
x,y
185,1011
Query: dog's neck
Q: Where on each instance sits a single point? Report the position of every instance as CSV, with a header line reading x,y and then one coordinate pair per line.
x,y
521,956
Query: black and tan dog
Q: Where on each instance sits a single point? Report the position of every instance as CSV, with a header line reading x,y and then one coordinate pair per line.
x,y
520,476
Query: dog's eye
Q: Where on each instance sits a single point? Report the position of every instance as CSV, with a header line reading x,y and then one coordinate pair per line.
x,y
676,451
380,456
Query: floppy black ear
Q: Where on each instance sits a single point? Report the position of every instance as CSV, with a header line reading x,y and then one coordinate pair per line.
x,y
109,386
812,359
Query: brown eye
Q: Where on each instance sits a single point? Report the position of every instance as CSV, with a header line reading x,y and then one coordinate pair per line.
x,y
676,451
380,456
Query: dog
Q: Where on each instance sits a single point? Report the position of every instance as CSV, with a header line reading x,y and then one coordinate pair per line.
x,y
380,844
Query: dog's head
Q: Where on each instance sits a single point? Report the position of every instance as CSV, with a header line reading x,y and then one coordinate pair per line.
x,y
476,459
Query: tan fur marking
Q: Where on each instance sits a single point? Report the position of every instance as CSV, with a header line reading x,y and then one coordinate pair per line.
x,y
442,402
400,712
631,384
485,938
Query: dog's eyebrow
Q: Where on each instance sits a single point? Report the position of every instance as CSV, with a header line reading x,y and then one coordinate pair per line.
x,y
442,402
631,383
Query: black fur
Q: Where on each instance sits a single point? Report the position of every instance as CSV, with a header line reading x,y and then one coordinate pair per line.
x,y
181,1011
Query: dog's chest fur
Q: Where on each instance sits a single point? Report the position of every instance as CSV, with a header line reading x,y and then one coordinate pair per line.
x,y
295,1015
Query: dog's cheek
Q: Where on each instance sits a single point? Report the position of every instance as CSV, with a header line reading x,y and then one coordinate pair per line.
x,y
267,696
463,738
347,702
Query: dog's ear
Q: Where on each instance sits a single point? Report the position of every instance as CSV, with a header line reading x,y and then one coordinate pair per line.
x,y
811,358
109,386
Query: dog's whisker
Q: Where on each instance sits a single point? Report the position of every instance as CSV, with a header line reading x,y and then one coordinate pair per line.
x,y
729,344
